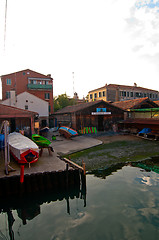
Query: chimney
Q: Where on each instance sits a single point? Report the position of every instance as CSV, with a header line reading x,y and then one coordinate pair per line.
x,y
135,85
49,75
12,98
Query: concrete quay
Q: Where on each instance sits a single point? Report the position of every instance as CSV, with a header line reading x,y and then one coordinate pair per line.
x,y
50,163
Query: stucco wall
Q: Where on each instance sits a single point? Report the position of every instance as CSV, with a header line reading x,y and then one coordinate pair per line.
x,y
34,103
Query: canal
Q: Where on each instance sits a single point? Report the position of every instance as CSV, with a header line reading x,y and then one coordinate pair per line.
x,y
120,203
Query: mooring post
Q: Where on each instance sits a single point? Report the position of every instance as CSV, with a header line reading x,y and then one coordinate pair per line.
x,y
84,167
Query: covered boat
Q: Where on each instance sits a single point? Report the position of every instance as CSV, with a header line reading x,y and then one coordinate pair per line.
x,y
23,149
40,141
67,132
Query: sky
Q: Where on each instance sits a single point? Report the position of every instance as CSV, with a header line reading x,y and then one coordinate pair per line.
x,y
101,41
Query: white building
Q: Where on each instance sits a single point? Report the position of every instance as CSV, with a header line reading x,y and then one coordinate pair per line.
x,y
29,102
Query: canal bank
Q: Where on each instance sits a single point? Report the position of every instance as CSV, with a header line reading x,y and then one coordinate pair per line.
x,y
116,148
50,172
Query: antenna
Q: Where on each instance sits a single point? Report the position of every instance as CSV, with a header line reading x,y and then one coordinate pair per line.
x,y
5,25
73,83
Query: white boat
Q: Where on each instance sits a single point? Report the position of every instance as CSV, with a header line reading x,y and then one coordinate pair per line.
x,y
22,148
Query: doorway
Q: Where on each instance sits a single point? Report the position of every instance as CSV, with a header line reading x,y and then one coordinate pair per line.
x,y
100,123
12,125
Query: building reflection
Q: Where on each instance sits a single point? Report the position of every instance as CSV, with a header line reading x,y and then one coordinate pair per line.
x,y
29,207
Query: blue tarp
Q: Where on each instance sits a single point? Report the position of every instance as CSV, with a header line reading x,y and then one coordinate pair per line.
x,y
1,141
145,130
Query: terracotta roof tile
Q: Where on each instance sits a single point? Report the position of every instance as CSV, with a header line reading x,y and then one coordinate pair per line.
x,y
157,102
82,106
130,103
124,87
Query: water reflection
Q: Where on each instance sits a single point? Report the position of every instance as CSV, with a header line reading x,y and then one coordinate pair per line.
x,y
122,204
29,207
146,165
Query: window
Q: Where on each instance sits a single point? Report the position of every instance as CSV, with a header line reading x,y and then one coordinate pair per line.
x,y
47,95
31,81
150,95
90,96
26,107
100,94
95,95
137,94
49,108
7,94
131,94
8,81
144,94
46,82
123,93
34,82
127,94
103,93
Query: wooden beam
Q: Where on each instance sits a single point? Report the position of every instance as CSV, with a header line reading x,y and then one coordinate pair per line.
x,y
73,164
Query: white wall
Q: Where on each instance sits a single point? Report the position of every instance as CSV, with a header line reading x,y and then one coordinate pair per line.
x,y
34,103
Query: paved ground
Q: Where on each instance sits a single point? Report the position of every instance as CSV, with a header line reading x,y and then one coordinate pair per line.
x,y
67,146
52,163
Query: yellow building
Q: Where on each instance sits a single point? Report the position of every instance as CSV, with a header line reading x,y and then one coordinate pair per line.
x,y
114,93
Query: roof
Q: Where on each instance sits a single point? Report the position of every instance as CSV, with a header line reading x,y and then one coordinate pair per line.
x,y
45,76
80,107
116,86
157,102
8,110
134,103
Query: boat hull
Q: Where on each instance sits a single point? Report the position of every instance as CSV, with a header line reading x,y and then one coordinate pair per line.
x,y
40,141
67,132
23,149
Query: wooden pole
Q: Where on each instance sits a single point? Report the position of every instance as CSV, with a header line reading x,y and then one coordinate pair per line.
x,y
84,167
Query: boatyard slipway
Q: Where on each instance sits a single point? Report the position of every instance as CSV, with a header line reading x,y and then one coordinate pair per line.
x,y
52,162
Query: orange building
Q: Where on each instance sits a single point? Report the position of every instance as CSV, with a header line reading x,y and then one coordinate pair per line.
x,y
30,81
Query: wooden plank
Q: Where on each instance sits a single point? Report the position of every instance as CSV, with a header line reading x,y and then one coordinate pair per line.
x,y
73,164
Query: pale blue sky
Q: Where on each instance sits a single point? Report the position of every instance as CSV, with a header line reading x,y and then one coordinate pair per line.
x,y
101,41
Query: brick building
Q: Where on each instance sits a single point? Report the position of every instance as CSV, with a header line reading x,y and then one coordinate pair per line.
x,y
115,92
29,81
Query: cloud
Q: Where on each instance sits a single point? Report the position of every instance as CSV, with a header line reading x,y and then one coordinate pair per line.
x,y
101,41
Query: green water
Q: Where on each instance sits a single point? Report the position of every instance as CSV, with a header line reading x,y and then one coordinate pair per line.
x,y
123,205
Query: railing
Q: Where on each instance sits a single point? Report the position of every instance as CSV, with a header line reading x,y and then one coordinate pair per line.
x,y
39,86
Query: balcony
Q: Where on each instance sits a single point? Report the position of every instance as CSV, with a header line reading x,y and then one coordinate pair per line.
x,y
39,86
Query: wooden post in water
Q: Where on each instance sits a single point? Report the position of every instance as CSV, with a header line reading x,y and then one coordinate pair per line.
x,y
84,167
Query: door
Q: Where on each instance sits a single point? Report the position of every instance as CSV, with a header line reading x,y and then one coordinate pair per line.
x,y
100,123
12,125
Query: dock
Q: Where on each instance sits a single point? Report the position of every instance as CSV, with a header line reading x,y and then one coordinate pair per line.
x,y
50,172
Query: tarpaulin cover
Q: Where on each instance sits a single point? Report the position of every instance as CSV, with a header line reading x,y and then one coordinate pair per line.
x,y
145,130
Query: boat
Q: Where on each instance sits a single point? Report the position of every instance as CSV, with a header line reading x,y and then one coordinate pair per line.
x,y
23,149
40,141
67,132
44,130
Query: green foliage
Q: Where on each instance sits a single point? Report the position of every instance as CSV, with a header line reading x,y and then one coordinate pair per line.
x,y
63,101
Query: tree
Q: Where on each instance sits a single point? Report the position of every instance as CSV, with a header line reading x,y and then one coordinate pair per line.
x,y
63,101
